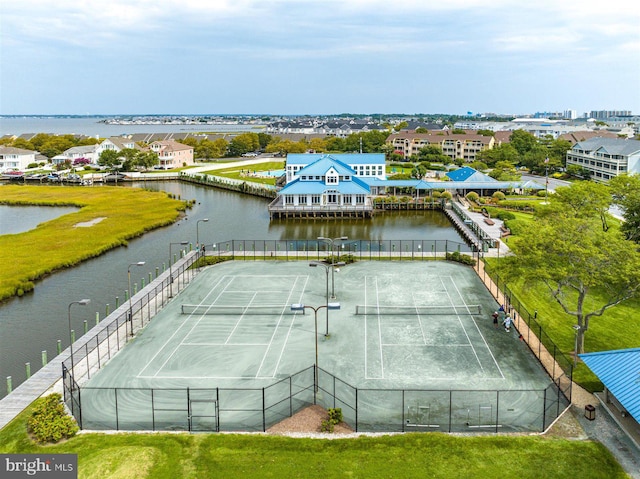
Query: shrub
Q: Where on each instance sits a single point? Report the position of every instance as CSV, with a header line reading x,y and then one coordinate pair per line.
x,y
499,196
505,215
473,196
49,421
335,417
515,226
446,195
460,258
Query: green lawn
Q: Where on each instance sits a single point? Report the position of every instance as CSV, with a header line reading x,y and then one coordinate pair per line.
x,y
415,455
246,173
612,330
123,213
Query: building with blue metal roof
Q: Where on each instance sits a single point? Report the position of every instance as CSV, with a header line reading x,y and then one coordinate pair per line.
x,y
336,185
619,371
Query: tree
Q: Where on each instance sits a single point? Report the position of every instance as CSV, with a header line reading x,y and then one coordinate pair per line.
x,y
583,199
522,141
244,143
421,129
504,152
146,159
626,195
585,269
110,159
418,171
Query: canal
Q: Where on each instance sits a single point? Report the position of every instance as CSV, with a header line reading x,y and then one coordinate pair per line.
x,y
33,323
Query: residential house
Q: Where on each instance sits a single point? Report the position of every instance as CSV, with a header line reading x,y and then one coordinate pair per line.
x,y
90,152
606,158
117,143
15,158
172,154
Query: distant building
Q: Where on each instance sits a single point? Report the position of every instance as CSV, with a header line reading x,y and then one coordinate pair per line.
x,y
15,158
117,143
456,146
570,114
604,114
606,158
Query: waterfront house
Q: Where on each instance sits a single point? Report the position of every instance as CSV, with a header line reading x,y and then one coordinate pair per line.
x,y
172,154
89,152
15,158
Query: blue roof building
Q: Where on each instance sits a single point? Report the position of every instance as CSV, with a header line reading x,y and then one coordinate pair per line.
x,y
619,371
339,185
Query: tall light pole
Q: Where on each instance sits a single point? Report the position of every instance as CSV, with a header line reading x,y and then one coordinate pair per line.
x,y
82,302
302,307
139,263
326,267
204,220
331,241
170,267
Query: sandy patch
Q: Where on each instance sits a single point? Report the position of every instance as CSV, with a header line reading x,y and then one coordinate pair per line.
x,y
86,224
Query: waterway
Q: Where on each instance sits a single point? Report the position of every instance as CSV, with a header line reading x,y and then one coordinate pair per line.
x,y
33,323
93,126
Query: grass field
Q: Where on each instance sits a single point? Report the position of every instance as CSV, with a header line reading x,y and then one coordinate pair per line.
x,y
119,214
230,456
235,172
612,330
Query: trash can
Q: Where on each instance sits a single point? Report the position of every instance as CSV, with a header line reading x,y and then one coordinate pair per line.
x,y
590,412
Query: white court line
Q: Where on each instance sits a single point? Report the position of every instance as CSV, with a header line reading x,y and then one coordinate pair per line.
x,y
163,348
223,344
366,329
240,319
413,345
424,338
462,325
275,330
481,335
204,377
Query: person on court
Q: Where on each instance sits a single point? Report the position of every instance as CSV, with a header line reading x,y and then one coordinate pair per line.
x,y
495,316
507,323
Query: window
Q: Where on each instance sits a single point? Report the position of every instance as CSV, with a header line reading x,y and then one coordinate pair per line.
x,y
332,180
346,199
359,199
288,199
315,199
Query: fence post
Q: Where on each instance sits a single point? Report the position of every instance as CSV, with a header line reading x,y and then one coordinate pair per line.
x,y
44,358
9,385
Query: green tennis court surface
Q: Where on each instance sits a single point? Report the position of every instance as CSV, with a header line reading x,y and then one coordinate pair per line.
x,y
401,325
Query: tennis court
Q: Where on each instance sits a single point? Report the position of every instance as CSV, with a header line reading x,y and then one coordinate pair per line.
x,y
424,328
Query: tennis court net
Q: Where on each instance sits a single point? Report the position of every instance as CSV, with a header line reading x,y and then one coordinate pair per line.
x,y
382,310
201,309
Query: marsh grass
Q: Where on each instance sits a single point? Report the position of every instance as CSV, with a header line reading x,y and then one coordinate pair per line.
x,y
59,243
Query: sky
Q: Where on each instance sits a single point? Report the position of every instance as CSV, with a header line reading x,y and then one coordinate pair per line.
x,y
318,57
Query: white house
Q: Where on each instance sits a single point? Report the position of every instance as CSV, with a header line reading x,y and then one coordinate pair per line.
x,y
15,158
90,152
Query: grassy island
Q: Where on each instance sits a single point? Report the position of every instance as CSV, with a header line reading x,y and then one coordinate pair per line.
x,y
107,217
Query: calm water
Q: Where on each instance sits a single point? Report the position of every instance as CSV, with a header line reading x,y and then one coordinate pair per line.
x,y
16,219
91,126
33,323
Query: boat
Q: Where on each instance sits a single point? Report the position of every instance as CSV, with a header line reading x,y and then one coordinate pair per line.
x,y
12,175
